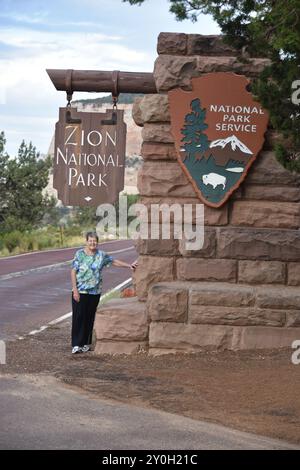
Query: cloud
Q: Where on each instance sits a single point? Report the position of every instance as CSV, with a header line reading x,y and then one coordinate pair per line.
x,y
39,130
41,19
33,40
33,18
37,50
78,34
29,102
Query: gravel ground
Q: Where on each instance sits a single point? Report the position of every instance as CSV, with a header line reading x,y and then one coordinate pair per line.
x,y
256,392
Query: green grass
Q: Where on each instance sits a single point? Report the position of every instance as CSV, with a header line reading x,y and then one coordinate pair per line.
x,y
112,295
16,242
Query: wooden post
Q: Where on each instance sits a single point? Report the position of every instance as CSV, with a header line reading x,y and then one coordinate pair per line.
x,y
101,81
61,235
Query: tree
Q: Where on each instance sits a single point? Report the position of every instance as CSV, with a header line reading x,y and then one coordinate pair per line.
x,y
267,28
23,203
3,173
85,216
195,141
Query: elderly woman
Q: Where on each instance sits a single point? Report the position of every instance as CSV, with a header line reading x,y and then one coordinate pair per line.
x,y
86,278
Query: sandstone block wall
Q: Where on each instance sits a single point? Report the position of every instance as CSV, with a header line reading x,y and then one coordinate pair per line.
x,y
241,289
252,243
121,327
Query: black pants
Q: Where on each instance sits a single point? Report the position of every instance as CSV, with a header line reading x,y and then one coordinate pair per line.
x,y
83,318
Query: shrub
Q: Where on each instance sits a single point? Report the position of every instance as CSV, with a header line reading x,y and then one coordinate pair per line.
x,y
12,240
45,241
24,243
4,252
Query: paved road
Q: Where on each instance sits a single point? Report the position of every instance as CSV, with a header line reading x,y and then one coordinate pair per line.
x,y
35,288
77,421
36,259
73,419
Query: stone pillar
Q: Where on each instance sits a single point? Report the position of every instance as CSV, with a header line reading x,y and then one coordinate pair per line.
x,y
241,290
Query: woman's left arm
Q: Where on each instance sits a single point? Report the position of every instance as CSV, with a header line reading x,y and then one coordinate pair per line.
x,y
122,264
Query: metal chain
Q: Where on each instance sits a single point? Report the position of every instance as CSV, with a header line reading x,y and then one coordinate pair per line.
x,y
115,101
69,99
69,87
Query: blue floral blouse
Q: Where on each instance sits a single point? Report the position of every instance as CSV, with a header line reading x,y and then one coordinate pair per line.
x,y
89,270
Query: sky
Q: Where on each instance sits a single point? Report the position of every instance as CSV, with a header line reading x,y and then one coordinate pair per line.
x,y
77,34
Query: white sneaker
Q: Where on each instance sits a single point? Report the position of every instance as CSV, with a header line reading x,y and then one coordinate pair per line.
x,y
76,350
85,348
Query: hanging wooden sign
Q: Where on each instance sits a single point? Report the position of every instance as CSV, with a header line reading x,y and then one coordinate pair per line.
x,y
89,157
218,130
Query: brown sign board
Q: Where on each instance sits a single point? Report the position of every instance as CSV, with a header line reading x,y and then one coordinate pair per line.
x,y
219,131
89,157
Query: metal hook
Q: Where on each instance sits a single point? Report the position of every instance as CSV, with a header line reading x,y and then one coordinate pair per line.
x,y
69,119
110,122
115,95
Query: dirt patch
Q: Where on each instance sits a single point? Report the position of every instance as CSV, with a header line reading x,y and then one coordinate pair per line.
x,y
251,391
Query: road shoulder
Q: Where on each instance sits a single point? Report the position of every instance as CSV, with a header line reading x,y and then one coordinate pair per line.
x,y
255,392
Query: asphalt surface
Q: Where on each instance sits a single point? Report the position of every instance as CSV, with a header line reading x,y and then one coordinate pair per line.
x,y
35,288
77,421
36,259
39,412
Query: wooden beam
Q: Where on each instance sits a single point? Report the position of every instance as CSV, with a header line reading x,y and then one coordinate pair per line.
x,y
101,81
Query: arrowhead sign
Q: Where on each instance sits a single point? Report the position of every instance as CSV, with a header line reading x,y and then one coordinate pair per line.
x,y
218,130
89,157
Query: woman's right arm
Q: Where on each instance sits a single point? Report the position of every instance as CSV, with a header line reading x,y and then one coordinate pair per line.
x,y
76,294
